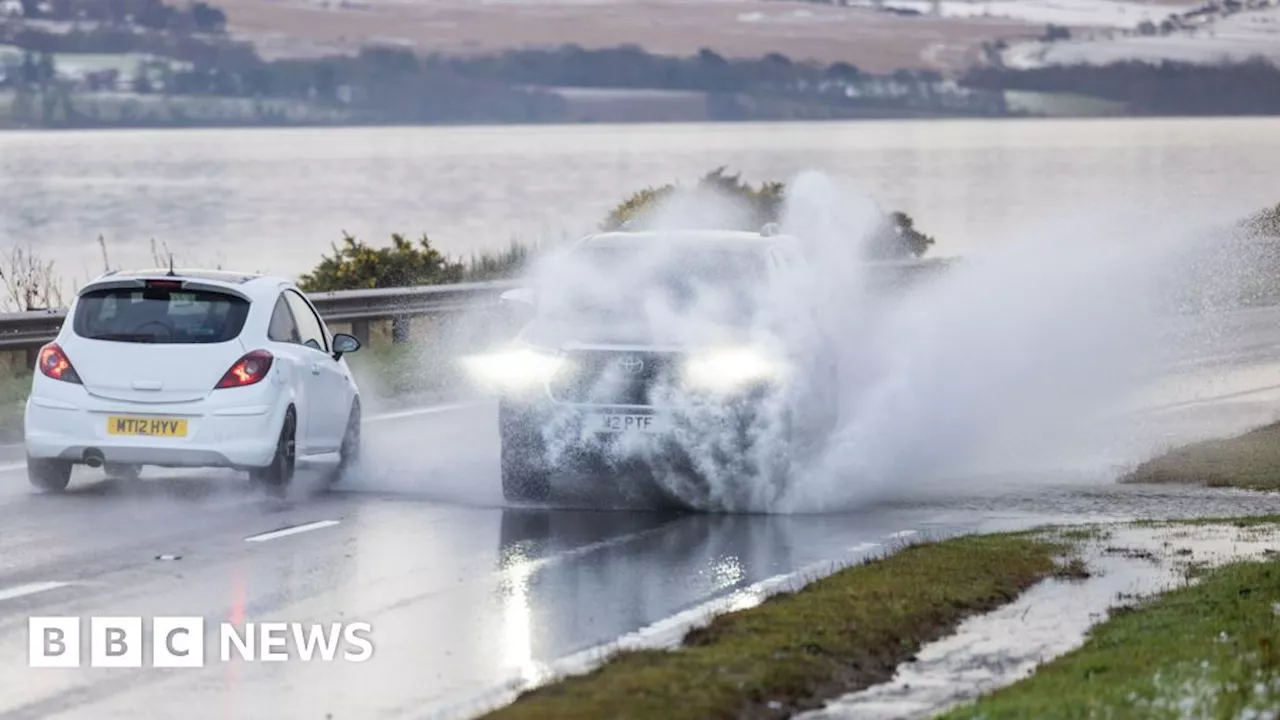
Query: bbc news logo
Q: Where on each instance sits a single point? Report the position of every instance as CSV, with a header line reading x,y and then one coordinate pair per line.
x,y
179,642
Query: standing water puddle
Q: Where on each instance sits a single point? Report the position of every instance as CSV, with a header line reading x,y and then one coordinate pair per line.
x,y
991,651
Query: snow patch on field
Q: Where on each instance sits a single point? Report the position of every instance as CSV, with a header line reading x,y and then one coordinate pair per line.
x,y
1074,13
1234,38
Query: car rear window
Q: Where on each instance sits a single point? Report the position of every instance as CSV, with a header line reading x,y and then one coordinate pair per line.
x,y
157,315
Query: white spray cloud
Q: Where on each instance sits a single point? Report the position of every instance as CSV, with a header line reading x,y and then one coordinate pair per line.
x,y
1009,359
1006,360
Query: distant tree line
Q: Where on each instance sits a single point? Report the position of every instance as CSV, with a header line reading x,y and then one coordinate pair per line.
x,y
1250,87
147,14
630,66
395,85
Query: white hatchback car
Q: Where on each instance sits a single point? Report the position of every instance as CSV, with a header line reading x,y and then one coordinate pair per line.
x,y
192,369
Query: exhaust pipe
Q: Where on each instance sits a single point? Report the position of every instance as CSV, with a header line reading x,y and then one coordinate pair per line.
x,y
93,458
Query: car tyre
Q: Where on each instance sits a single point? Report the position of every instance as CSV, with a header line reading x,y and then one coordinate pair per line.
x,y
48,474
525,477
277,476
349,453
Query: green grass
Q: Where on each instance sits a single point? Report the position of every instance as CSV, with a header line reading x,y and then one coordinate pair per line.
x,y
1251,521
1086,532
14,387
391,371
1208,651
487,265
1250,461
841,633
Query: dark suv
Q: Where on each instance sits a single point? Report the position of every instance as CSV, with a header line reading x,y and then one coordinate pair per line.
x,y
684,352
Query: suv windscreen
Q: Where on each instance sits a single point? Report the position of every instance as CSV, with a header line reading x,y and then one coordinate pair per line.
x,y
717,282
155,315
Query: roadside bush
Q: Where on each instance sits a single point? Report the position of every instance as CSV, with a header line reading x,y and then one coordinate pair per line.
x,y
356,265
760,205
896,238
29,281
1267,222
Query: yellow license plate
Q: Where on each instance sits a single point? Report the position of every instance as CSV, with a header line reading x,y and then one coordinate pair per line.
x,y
150,427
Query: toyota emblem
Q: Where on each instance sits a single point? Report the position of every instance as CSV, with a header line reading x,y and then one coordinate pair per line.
x,y
631,365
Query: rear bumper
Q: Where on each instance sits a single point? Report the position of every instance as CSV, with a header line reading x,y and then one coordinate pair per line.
x,y
235,432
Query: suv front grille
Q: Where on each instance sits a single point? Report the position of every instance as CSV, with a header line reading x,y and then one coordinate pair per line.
x,y
614,377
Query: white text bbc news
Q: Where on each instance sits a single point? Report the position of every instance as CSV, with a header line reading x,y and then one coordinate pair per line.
x,y
179,642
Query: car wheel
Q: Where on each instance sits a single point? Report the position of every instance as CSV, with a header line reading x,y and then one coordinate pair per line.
x,y
279,473
525,477
48,474
122,471
349,453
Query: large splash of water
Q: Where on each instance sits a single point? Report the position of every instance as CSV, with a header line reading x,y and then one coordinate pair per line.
x,y
1015,357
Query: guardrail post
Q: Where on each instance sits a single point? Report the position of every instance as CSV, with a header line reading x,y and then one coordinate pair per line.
x,y
360,329
400,329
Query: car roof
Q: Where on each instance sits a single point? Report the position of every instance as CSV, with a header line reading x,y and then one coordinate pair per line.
x,y
249,285
225,276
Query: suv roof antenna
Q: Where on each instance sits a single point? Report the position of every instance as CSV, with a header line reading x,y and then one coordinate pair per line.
x,y
171,272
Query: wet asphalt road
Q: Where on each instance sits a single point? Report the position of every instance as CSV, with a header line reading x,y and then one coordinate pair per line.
x,y
463,594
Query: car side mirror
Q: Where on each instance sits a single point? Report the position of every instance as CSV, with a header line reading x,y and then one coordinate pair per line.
x,y
343,344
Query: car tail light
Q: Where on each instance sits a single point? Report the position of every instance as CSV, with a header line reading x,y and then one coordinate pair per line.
x,y
54,363
248,370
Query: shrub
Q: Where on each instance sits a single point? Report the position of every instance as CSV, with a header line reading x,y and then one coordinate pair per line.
x,y
356,265
896,238
760,204
29,281
1267,222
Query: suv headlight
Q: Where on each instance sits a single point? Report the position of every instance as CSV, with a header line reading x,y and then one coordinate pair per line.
x,y
729,369
513,370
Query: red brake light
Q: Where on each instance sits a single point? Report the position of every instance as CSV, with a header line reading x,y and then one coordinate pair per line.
x,y
165,284
54,363
247,370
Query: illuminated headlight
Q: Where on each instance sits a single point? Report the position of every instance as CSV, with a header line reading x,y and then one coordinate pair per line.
x,y
730,369
518,369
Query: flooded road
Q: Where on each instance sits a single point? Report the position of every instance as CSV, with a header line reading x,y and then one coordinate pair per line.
x,y
467,597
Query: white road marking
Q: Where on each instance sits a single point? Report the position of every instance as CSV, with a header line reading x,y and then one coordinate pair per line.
x,y
30,589
428,410
10,467
291,530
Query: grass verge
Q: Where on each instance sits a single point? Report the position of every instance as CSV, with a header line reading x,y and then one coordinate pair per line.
x,y
1211,650
406,369
14,387
1250,461
842,633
